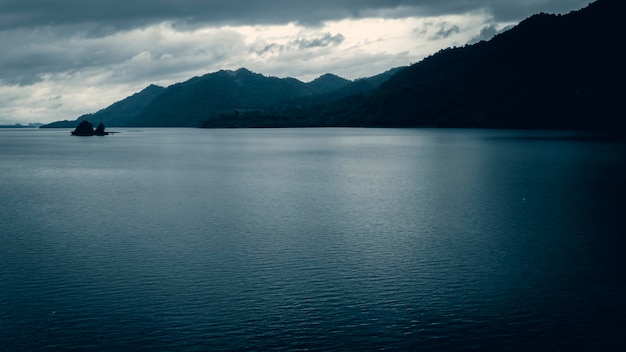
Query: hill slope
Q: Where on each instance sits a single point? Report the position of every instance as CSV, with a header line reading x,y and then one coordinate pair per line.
x,y
189,103
548,72
231,98
228,97
303,111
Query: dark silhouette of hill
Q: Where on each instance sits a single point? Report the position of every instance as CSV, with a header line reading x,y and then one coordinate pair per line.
x,y
189,103
302,111
358,86
550,71
327,83
19,125
228,97
119,113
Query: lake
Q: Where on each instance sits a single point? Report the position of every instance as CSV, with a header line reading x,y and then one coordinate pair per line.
x,y
339,239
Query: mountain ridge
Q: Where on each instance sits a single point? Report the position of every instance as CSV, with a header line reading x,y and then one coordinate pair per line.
x,y
190,103
549,72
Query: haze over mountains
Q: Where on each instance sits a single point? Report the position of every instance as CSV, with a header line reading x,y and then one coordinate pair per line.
x,y
550,71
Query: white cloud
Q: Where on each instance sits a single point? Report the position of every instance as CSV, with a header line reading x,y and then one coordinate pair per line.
x,y
84,73
50,73
64,58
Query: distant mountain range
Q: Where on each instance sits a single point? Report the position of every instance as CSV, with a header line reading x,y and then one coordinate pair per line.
x,y
550,71
18,125
223,93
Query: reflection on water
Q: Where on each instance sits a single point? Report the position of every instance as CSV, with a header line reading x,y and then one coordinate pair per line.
x,y
320,239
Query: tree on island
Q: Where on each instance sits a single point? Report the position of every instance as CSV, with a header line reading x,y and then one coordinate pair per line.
x,y
85,128
100,130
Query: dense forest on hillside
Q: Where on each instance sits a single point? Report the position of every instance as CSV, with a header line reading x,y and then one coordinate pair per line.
x,y
550,71
225,93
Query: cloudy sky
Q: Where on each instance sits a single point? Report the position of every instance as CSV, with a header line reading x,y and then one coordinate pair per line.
x,y
63,58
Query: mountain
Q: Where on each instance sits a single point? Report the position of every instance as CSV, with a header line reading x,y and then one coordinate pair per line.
x,y
117,114
19,125
310,110
189,103
304,111
231,98
327,83
224,98
550,71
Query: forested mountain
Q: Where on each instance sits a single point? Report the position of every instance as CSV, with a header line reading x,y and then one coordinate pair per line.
x,y
229,98
327,83
550,71
192,102
223,93
304,111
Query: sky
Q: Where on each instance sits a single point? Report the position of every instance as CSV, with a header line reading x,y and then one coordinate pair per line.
x,y
60,59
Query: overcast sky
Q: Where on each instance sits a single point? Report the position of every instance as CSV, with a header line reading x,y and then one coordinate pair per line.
x,y
63,58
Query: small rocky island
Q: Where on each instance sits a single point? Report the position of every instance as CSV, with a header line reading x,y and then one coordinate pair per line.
x,y
85,128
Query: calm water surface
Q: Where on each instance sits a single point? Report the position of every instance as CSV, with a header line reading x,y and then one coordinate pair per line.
x,y
311,239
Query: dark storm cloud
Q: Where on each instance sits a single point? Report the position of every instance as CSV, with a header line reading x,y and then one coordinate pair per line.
x,y
320,41
48,36
63,58
122,14
487,33
445,31
325,40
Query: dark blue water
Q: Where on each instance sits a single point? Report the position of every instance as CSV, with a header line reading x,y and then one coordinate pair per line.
x,y
311,239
